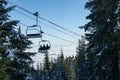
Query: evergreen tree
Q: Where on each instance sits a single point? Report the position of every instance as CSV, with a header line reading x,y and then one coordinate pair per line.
x,y
3,67
46,63
80,60
22,60
104,38
70,68
15,43
61,56
46,67
57,71
6,28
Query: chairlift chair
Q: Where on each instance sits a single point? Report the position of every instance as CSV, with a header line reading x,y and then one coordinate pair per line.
x,y
34,31
44,46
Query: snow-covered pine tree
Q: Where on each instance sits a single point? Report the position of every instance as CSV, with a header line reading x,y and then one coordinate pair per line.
x,y
69,64
46,67
22,60
80,60
6,27
104,37
13,43
57,71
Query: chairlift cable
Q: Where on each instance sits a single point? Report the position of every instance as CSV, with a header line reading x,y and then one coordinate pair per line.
x,y
53,35
61,38
46,24
74,33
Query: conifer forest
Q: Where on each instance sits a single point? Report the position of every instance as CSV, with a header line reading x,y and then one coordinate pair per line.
x,y
97,54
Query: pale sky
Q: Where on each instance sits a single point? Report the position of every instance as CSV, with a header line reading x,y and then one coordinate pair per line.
x,y
69,14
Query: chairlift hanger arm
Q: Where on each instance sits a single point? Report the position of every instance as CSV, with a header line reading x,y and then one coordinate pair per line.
x,y
36,14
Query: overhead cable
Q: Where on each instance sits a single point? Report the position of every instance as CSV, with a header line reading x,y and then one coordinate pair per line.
x,y
61,38
53,35
45,24
74,33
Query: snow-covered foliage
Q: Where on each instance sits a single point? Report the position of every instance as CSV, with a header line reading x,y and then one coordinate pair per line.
x,y
103,47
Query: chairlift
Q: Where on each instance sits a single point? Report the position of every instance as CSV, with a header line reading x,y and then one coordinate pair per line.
x,y
44,46
34,31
